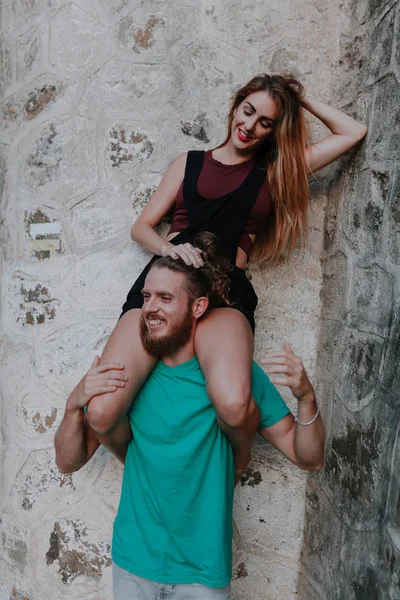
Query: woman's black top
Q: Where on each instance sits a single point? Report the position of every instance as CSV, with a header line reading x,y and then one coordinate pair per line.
x,y
226,218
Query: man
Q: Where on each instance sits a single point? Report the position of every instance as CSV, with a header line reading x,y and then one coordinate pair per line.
x,y
173,531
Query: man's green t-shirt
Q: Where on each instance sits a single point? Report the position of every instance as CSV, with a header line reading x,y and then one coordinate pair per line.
x,y
174,522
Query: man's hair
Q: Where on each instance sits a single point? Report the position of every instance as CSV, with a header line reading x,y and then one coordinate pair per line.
x,y
211,280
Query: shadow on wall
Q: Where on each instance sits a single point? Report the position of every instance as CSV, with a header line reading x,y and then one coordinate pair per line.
x,y
351,548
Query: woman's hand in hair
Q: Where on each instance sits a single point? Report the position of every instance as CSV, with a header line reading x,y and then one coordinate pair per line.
x,y
186,252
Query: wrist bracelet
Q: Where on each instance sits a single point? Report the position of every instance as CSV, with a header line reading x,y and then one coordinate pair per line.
x,y
304,424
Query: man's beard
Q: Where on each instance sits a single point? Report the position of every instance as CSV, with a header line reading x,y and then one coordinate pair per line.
x,y
167,345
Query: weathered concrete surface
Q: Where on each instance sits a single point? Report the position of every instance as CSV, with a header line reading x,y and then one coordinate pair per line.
x,y
96,98
351,544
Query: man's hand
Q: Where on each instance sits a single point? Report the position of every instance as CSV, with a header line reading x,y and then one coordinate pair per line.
x,y
291,369
98,380
301,439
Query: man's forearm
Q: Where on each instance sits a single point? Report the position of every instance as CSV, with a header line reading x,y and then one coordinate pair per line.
x,y
70,443
117,440
309,440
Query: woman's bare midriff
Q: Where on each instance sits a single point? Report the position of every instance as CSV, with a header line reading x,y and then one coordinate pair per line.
x,y
241,256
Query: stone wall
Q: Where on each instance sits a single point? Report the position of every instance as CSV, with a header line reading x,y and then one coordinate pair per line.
x,y
352,534
96,98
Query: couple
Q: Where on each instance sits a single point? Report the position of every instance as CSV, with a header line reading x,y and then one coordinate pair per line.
x,y
173,531
252,193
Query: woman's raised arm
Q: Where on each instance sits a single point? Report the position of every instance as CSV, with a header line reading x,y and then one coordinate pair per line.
x,y
346,133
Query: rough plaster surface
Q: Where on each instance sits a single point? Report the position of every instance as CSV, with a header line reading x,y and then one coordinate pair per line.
x,y
96,98
352,528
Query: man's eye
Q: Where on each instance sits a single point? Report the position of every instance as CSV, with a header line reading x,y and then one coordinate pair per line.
x,y
165,298
145,297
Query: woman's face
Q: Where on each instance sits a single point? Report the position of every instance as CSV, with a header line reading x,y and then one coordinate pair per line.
x,y
253,122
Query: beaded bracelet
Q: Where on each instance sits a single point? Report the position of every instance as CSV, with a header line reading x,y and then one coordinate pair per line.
x,y
296,418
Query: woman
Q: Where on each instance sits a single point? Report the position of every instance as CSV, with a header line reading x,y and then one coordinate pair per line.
x,y
252,193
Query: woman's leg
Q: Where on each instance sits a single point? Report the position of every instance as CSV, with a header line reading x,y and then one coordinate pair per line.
x,y
224,346
124,346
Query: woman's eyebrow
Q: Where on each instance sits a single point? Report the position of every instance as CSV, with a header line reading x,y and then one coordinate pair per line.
x,y
254,110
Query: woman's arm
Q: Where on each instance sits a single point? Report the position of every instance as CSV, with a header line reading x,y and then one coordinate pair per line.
x,y
160,203
346,133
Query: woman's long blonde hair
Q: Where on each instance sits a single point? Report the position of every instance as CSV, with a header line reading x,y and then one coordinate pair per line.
x,y
283,156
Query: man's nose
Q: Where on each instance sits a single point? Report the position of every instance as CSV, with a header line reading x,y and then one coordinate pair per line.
x,y
151,305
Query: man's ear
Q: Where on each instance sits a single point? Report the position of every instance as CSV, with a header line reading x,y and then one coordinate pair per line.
x,y
199,307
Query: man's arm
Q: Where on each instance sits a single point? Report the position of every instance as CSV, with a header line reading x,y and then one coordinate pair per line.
x,y
75,441
302,442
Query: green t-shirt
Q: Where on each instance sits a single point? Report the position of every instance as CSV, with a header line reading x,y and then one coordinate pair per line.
x,y
174,521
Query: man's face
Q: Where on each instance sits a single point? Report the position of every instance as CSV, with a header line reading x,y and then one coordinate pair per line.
x,y
167,320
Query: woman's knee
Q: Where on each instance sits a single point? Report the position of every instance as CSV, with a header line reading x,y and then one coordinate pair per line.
x,y
103,413
231,398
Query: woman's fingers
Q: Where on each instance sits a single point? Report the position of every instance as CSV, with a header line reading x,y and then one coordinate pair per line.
x,y
189,254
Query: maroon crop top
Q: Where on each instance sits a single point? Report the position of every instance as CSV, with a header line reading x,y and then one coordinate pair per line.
x,y
216,180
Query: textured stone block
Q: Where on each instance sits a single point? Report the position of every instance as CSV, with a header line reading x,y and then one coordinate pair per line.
x,y
46,92
356,365
195,126
74,553
30,303
380,48
13,379
15,595
5,65
357,467
335,282
14,546
261,493
37,479
378,7
105,10
130,150
121,86
363,213
63,357
371,297
26,12
321,524
31,51
257,578
384,137
144,191
58,159
76,40
393,238
227,21
101,217
151,29
215,68
389,382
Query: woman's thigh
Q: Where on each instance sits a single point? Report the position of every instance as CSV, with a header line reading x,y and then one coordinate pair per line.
x,y
125,347
224,345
